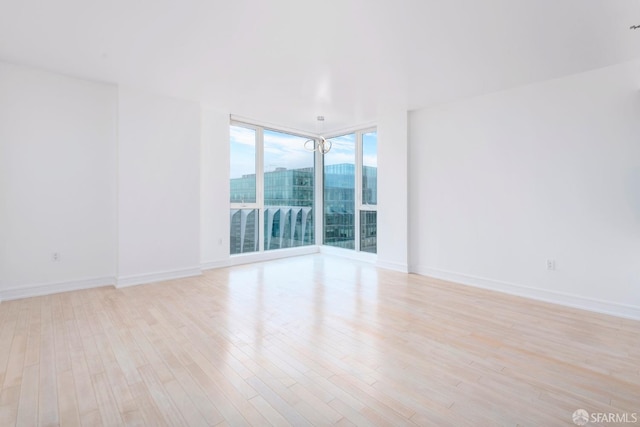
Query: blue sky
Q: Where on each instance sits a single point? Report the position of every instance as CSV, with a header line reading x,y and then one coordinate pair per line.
x,y
370,149
282,150
287,151
243,152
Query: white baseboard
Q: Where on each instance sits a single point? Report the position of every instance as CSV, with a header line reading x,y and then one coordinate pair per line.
x,y
271,255
161,276
210,265
569,300
349,253
395,266
304,250
54,288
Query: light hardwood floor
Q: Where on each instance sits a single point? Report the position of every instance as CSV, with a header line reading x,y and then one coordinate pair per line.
x,y
309,341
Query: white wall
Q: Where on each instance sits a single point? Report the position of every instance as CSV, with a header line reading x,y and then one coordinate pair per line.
x,y
158,187
214,188
57,181
392,191
503,182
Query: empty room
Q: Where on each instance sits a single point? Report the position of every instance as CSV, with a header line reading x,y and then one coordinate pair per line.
x,y
295,213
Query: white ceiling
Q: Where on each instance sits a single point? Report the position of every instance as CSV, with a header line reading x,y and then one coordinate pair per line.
x,y
286,61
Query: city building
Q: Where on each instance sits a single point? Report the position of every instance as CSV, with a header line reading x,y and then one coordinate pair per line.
x,y
289,200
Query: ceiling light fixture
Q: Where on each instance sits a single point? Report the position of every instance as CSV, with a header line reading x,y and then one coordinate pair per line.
x,y
320,144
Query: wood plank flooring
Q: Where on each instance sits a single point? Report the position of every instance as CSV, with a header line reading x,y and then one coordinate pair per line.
x,y
313,340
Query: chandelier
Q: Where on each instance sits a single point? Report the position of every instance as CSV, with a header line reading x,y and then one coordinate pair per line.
x,y
320,144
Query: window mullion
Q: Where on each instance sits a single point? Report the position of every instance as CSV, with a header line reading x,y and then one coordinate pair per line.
x,y
318,207
358,190
244,205
260,186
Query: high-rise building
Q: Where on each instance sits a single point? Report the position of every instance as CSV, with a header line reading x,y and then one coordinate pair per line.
x,y
288,216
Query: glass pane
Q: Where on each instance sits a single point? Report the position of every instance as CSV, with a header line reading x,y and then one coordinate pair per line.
x,y
243,165
370,168
288,191
244,231
339,192
368,231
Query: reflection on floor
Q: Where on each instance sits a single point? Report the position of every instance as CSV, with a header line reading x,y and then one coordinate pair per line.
x,y
312,340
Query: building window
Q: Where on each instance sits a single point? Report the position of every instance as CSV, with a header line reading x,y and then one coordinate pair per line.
x,y
243,184
369,187
243,165
288,191
339,192
244,230
350,192
272,179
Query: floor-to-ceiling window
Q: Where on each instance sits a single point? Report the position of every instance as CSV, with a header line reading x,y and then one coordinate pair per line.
x,y
244,197
350,191
339,193
288,191
272,183
273,186
369,190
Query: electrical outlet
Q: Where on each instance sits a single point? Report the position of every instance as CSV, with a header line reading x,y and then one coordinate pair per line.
x,y
551,264
55,257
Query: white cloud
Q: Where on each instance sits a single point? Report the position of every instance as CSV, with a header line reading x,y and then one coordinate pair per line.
x,y
245,136
370,160
287,151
